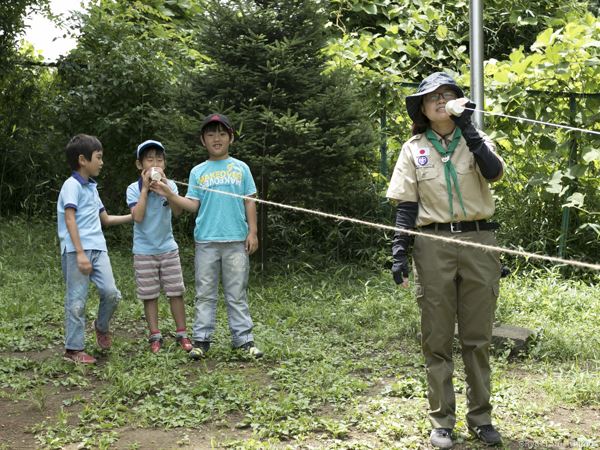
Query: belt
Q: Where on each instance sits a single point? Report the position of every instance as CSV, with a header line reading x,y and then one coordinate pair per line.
x,y
460,227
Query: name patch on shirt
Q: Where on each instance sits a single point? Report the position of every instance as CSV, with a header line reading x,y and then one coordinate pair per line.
x,y
421,157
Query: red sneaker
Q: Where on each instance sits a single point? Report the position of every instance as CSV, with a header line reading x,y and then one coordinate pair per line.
x,y
185,343
155,344
103,340
79,356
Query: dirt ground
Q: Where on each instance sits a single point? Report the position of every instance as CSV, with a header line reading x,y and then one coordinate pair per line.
x,y
17,418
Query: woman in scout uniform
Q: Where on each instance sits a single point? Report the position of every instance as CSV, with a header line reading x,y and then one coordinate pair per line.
x,y
441,183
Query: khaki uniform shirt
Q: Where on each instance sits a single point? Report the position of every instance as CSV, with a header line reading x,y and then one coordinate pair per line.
x,y
419,177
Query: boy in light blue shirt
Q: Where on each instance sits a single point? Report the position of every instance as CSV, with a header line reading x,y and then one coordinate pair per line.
x,y
155,253
225,235
84,255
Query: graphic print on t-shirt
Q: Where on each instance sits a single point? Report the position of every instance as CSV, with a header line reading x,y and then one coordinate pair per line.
x,y
233,175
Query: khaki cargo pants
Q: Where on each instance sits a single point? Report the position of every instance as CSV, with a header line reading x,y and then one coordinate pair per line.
x,y
456,283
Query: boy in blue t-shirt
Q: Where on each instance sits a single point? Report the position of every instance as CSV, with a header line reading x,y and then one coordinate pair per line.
x,y
155,253
225,235
84,257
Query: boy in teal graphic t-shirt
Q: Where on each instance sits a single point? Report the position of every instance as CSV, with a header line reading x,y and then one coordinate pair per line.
x,y
225,236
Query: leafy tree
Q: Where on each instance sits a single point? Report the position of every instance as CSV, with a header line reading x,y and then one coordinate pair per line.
x,y
24,88
509,25
551,169
389,42
407,39
305,135
125,80
305,94
386,43
12,25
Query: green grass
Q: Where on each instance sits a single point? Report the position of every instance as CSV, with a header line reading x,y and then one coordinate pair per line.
x,y
342,367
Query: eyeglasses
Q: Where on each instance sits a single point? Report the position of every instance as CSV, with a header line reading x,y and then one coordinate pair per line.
x,y
436,96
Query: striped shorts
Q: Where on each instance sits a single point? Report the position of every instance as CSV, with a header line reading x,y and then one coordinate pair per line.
x,y
153,272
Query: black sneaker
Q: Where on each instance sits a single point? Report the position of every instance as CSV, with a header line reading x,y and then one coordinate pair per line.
x,y
487,434
251,349
199,350
441,438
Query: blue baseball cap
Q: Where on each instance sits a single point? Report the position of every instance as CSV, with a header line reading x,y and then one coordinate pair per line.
x,y
146,145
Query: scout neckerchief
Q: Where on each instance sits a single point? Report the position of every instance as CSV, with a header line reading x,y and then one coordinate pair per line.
x,y
449,170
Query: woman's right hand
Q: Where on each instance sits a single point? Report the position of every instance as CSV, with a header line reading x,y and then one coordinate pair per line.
x,y
400,270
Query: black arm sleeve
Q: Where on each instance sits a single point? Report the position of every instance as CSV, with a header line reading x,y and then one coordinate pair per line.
x,y
406,217
488,162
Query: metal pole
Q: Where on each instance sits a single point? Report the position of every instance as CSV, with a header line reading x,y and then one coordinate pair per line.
x,y
476,53
566,213
383,135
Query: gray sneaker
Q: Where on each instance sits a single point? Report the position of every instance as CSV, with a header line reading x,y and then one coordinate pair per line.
x,y
251,349
199,350
441,438
487,434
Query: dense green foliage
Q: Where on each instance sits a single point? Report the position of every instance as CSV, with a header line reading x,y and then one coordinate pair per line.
x,y
307,84
551,168
24,93
306,132
305,135
540,57
342,366
12,24
125,82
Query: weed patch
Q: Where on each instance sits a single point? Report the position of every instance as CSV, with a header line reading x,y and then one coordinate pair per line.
x,y
342,367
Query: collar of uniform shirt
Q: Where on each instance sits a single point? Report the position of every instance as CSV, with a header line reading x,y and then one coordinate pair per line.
x,y
445,139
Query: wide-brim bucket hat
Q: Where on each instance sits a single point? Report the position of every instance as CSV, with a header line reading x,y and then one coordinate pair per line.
x,y
429,84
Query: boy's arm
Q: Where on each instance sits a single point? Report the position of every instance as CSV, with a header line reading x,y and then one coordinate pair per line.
x,y
83,263
139,210
175,208
175,201
109,220
252,239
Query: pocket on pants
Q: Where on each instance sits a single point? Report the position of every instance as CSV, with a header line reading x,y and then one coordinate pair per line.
x,y
419,293
495,294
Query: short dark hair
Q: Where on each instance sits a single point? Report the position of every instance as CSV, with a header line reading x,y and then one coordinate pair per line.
x,y
81,144
215,126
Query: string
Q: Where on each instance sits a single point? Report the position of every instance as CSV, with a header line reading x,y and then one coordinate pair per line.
x,y
492,248
540,122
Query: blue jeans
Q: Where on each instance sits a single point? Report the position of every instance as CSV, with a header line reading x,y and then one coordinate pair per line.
x,y
77,293
230,260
